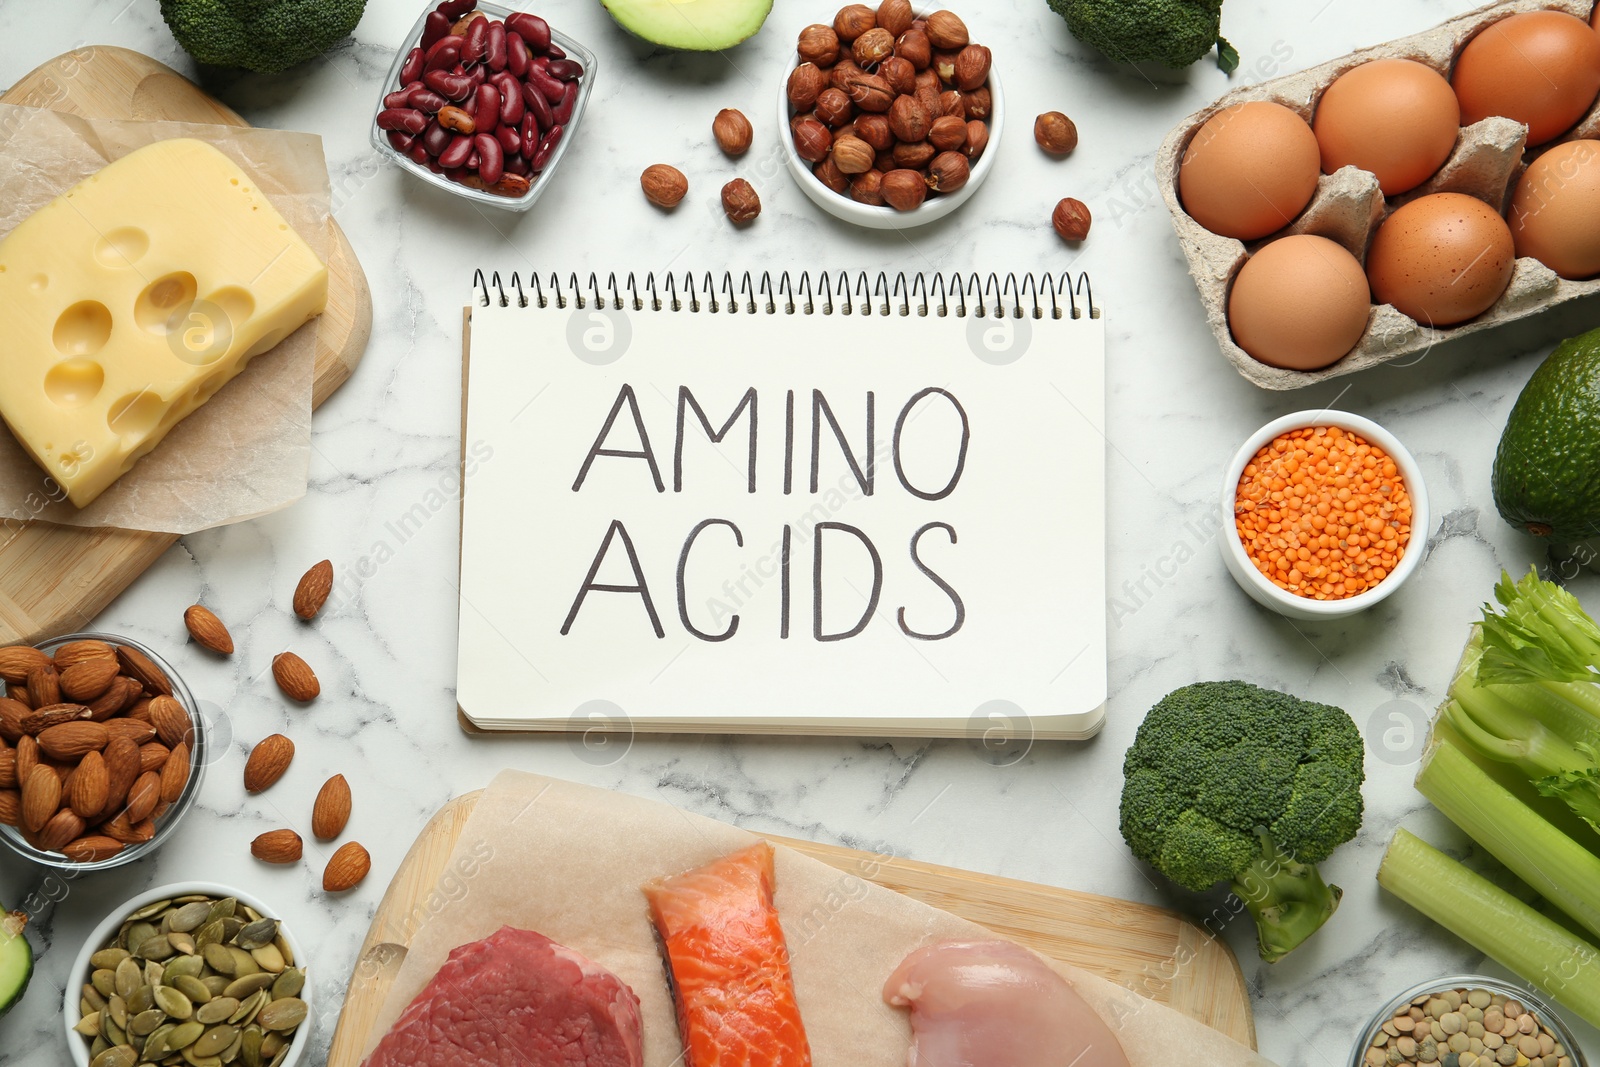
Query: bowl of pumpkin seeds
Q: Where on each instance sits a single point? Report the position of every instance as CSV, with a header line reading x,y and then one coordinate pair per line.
x,y
195,974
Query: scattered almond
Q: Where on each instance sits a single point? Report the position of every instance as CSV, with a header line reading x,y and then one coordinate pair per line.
x,y
277,846
332,809
346,869
313,590
92,848
71,740
267,762
208,630
41,797
172,722
17,660
174,775
90,785
295,677
88,679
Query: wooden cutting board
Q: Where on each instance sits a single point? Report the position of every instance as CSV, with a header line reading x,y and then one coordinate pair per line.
x,y
1155,951
55,579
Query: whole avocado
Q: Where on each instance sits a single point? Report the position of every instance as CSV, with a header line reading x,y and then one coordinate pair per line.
x,y
1546,476
266,36
1173,32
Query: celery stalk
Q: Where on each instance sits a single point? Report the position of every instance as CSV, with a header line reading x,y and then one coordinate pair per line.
x,y
1561,870
1540,950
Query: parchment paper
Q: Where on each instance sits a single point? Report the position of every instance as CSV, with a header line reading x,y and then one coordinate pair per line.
x,y
567,860
244,453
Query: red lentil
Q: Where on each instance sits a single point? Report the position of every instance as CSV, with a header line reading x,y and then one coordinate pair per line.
x,y
1322,513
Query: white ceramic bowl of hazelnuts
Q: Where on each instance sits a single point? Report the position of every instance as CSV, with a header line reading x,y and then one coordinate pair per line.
x,y
890,119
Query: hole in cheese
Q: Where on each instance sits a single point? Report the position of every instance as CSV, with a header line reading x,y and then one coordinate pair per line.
x,y
82,329
74,382
122,247
135,415
165,302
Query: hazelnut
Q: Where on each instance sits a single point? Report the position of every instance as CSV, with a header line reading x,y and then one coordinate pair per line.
x,y
904,190
899,73
870,93
946,30
664,186
1055,133
913,156
868,188
1071,219
948,132
951,102
884,161
948,172
929,99
874,46
819,45
806,82
895,16
834,107
972,66
852,21
732,131
839,77
979,103
812,140
874,129
913,47
944,65
929,79
847,130
977,138
909,120
852,155
831,176
740,201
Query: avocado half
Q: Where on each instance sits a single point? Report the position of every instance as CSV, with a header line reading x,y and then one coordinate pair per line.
x,y
691,25
16,959
1546,476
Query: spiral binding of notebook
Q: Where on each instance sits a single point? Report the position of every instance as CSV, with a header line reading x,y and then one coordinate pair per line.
x,y
1032,295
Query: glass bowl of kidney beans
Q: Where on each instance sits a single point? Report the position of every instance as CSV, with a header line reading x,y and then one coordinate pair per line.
x,y
483,101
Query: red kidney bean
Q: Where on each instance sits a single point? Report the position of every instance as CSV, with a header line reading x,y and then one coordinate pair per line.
x,y
518,166
458,175
511,107
529,131
546,149
425,99
400,140
491,157
494,56
538,106
475,42
401,97
451,86
473,160
487,113
436,138
551,87
476,73
454,9
562,112
567,70
539,63
534,31
516,54
419,154
397,118
457,153
411,69
555,51
434,28
443,55
509,139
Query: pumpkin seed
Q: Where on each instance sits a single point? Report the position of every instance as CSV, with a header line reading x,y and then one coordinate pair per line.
x,y
191,916
218,958
231,1053
268,959
114,1034
184,1034
250,983
181,943
89,1025
92,995
283,1054
108,958
173,1002
129,976
216,1040
117,1056
216,1011
250,1046
231,925
117,1007
104,982
146,1022
289,983
97,1046
182,966
250,1008
222,909
150,910
201,1061
155,1046
157,948
273,1044
153,974
243,962
142,1000
137,934
285,1014
216,984
256,934
282,945
192,988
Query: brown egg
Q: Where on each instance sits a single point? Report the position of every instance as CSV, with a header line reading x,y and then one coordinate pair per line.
x,y
1394,117
1249,170
1541,68
1441,259
1555,212
1299,302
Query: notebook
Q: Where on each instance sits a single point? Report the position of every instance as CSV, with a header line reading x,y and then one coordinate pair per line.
x,y
810,504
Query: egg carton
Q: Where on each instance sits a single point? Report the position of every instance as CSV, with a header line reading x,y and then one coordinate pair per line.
x,y
1347,207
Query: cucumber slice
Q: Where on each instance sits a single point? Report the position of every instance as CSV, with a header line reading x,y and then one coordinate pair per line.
x,y
16,959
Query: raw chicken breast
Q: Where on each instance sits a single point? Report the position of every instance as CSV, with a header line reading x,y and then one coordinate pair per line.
x,y
995,1004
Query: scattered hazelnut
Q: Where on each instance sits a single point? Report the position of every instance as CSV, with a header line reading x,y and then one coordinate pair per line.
x,y
732,131
852,21
868,188
830,175
1055,133
948,132
913,47
806,83
909,120
948,172
874,46
834,107
812,140
819,45
977,138
895,16
904,190
1071,219
664,186
946,30
972,66
852,155
740,201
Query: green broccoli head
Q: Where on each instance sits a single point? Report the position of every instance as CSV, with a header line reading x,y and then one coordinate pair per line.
x,y
266,36
1229,782
1174,32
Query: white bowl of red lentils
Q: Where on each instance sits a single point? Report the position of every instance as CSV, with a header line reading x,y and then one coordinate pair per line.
x,y
1325,514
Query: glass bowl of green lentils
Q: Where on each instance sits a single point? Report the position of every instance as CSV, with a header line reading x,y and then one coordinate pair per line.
x,y
1467,1020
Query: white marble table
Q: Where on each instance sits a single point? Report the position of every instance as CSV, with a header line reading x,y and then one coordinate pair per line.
x,y
386,647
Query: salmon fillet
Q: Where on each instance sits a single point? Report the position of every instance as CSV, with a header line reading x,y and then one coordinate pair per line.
x,y
728,964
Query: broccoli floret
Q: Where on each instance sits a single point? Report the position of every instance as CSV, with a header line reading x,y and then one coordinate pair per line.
x,y
1229,782
1174,32
266,36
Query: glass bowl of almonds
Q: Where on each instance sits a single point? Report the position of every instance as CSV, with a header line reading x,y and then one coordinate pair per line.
x,y
195,972
102,751
1467,1020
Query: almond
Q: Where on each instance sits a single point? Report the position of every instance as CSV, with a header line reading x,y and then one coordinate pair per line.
x,y
63,826
128,832
27,758
346,869
313,590
143,796
137,665
90,785
118,695
44,686
70,740
277,846
332,809
12,713
174,775
41,798
122,770
10,807
172,722
208,630
8,769
37,722
74,652
139,709
85,681
19,693
267,762
295,677
134,730
92,848
153,756
17,660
